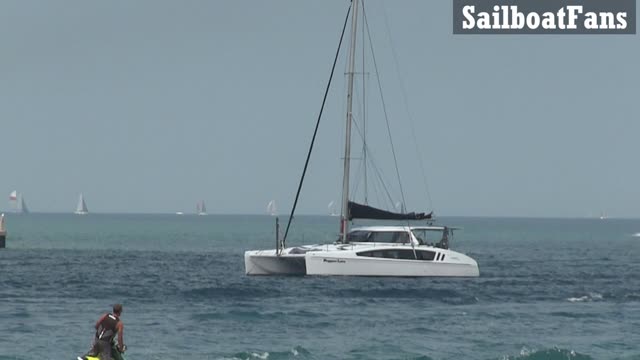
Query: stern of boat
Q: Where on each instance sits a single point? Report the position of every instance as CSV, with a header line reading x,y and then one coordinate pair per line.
x,y
267,262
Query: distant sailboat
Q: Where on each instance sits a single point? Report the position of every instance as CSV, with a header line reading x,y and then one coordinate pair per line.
x,y
23,205
17,202
271,208
332,208
81,209
201,209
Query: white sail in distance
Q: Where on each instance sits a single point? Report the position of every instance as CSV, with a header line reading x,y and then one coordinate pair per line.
x,y
81,208
271,208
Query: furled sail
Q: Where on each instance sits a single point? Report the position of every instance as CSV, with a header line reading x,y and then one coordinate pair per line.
x,y
359,211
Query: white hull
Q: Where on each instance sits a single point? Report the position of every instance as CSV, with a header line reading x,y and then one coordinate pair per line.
x,y
266,262
343,260
81,212
414,255
290,262
349,264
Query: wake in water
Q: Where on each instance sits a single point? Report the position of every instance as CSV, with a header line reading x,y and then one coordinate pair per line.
x,y
297,352
587,298
301,353
548,354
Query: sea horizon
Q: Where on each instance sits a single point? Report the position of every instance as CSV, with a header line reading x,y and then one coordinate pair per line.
x,y
594,217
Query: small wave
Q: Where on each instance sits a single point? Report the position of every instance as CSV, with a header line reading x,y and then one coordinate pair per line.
x,y
547,354
636,234
586,298
229,292
573,315
447,296
253,315
634,296
297,352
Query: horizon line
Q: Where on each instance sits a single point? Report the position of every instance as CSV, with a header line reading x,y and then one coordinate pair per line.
x,y
13,212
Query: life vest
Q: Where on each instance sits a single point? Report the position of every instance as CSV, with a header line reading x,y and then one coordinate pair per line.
x,y
107,328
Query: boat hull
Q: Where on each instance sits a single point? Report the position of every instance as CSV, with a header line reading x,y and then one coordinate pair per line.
x,y
267,262
349,264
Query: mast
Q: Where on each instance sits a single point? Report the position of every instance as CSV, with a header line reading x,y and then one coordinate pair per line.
x,y
364,115
344,228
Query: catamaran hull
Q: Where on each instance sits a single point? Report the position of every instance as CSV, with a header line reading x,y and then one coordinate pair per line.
x,y
266,262
338,264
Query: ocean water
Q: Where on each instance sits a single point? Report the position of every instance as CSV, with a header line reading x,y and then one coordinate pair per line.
x,y
548,289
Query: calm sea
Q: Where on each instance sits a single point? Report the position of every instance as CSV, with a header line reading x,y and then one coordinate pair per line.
x,y
548,289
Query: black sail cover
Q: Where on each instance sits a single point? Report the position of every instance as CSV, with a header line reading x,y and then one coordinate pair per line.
x,y
359,211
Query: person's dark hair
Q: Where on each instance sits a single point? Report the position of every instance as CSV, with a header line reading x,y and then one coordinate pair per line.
x,y
117,309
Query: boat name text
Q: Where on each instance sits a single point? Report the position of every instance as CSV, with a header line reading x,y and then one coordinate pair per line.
x,y
333,261
544,17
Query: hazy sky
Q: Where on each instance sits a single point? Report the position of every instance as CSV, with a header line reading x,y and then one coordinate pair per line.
x,y
150,106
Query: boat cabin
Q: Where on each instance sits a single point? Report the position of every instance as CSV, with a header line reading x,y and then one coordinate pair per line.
x,y
436,236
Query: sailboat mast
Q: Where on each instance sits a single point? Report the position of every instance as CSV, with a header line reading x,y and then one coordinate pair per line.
x,y
364,114
347,144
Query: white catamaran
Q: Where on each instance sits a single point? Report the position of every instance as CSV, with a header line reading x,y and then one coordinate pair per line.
x,y
387,250
81,209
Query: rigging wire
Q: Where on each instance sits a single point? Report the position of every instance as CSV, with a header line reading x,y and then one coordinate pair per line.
x,y
386,118
372,161
384,107
315,132
406,105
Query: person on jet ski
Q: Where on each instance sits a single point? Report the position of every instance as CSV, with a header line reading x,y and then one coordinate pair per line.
x,y
107,327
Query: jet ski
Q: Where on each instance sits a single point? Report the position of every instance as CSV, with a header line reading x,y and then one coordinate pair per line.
x,y
115,354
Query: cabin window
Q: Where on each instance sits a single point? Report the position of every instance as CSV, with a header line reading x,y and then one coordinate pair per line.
x,y
428,236
375,253
382,237
407,254
425,255
389,237
359,236
401,254
401,238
